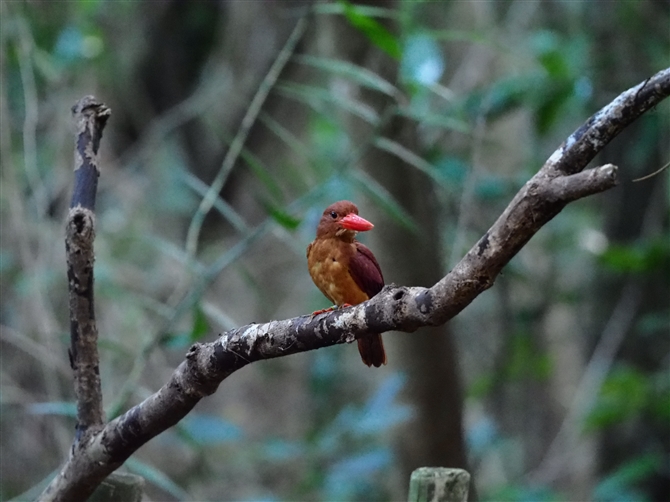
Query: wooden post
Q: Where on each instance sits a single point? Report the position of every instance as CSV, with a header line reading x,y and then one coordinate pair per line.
x,y
438,484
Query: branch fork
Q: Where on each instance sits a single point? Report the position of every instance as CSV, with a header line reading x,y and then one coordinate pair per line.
x,y
103,448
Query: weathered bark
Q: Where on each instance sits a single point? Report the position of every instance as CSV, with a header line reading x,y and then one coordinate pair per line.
x,y
438,484
399,308
90,118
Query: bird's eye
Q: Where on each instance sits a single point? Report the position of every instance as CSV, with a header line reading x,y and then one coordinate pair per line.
x,y
333,214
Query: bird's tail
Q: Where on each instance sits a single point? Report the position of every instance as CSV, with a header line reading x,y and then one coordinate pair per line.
x,y
371,349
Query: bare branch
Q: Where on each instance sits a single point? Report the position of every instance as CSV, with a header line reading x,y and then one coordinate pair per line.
x,y
658,171
90,117
583,144
579,185
400,308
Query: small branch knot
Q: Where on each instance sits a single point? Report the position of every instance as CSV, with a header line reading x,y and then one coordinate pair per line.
x,y
192,353
81,229
90,106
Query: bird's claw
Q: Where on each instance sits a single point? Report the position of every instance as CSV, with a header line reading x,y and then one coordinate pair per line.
x,y
322,311
329,309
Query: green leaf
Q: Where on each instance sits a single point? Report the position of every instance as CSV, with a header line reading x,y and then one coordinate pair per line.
x,y
330,140
319,99
183,339
641,256
624,394
157,478
515,493
291,141
177,341
526,361
660,406
502,96
262,173
481,387
434,119
225,209
358,74
549,49
283,218
200,326
453,171
408,156
367,10
619,485
555,98
175,252
372,29
384,199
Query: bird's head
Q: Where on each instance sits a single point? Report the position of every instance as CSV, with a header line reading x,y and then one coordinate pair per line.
x,y
341,220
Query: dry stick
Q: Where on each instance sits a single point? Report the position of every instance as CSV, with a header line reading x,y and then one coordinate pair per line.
x,y
657,172
90,118
398,308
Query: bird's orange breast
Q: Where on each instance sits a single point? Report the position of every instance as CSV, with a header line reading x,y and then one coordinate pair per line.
x,y
327,260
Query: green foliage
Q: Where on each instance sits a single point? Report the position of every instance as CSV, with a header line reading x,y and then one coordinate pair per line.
x,y
515,493
156,477
526,361
482,386
629,394
284,219
378,194
559,85
199,329
355,73
372,29
643,256
488,105
453,171
620,485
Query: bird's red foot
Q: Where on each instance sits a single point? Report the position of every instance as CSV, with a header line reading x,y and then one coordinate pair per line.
x,y
330,309
322,311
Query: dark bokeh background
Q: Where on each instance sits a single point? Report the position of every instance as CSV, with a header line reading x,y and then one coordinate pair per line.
x,y
553,385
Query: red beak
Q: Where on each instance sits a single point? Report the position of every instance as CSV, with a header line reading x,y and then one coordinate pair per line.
x,y
354,222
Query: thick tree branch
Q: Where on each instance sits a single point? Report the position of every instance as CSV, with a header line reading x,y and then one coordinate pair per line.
x,y
400,308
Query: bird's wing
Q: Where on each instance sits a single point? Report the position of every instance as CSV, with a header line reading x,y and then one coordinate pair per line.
x,y
365,271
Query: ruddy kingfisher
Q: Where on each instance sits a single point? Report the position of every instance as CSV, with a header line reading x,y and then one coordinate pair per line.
x,y
345,270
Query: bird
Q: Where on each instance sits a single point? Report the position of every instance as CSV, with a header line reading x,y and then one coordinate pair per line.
x,y
345,270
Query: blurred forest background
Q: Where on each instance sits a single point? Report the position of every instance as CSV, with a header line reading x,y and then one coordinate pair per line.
x,y
553,385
